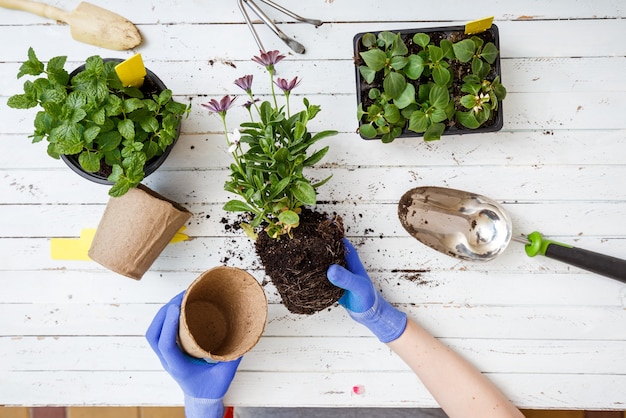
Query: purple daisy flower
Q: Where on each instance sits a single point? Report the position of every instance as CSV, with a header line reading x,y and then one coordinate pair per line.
x,y
244,83
287,86
268,59
219,107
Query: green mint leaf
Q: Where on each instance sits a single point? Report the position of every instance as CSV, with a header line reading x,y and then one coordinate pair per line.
x,y
126,128
89,160
31,67
21,101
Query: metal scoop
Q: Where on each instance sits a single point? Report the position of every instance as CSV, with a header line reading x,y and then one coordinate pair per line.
x,y
291,43
476,228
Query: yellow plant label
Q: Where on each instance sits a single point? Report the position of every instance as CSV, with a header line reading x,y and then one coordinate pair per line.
x,y
132,71
77,248
478,26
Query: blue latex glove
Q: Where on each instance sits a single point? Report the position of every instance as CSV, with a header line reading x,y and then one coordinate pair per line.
x,y
204,384
365,304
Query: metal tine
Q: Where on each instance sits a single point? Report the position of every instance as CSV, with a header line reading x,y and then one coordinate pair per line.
x,y
314,22
293,44
250,25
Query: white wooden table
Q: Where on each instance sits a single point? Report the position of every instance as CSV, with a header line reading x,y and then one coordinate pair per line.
x,y
550,335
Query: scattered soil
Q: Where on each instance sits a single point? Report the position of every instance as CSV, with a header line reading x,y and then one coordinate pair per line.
x,y
298,265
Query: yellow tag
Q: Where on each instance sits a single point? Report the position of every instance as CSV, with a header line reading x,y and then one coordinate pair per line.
x,y
132,71
478,26
77,248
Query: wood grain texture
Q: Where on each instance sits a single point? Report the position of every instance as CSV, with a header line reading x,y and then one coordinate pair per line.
x,y
550,335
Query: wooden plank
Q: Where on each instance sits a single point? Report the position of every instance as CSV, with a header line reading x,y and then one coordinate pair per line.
x,y
449,320
164,12
532,38
313,389
523,111
536,148
542,74
567,220
309,355
349,186
399,254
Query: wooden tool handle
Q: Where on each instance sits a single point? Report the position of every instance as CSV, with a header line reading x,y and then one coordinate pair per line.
x,y
40,9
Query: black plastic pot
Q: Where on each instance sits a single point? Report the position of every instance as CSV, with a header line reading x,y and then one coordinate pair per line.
x,y
495,123
152,85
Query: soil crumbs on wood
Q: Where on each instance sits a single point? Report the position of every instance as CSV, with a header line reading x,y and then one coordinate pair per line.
x,y
298,265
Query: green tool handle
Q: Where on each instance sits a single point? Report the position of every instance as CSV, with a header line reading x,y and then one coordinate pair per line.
x,y
605,265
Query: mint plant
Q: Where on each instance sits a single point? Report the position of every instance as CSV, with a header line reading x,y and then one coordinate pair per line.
x,y
94,117
270,153
412,84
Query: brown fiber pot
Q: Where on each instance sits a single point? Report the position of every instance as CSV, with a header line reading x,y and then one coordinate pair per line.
x,y
135,228
222,315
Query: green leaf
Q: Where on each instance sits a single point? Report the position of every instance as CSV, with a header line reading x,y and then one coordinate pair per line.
x,y
150,124
91,133
21,101
464,50
394,84
132,104
467,119
388,38
89,160
368,40
316,157
406,98
421,39
322,135
439,97
31,67
237,206
375,59
414,67
469,101
279,188
434,132
56,74
126,128
121,187
368,131
448,49
441,76
438,115
435,53
289,217
418,122
399,48
398,63
392,113
367,73
304,192
490,52
109,141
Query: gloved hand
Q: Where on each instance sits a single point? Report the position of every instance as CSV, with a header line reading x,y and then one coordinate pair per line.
x,y
365,304
204,384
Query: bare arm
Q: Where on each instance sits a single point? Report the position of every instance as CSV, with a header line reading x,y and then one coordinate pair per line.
x,y
459,388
